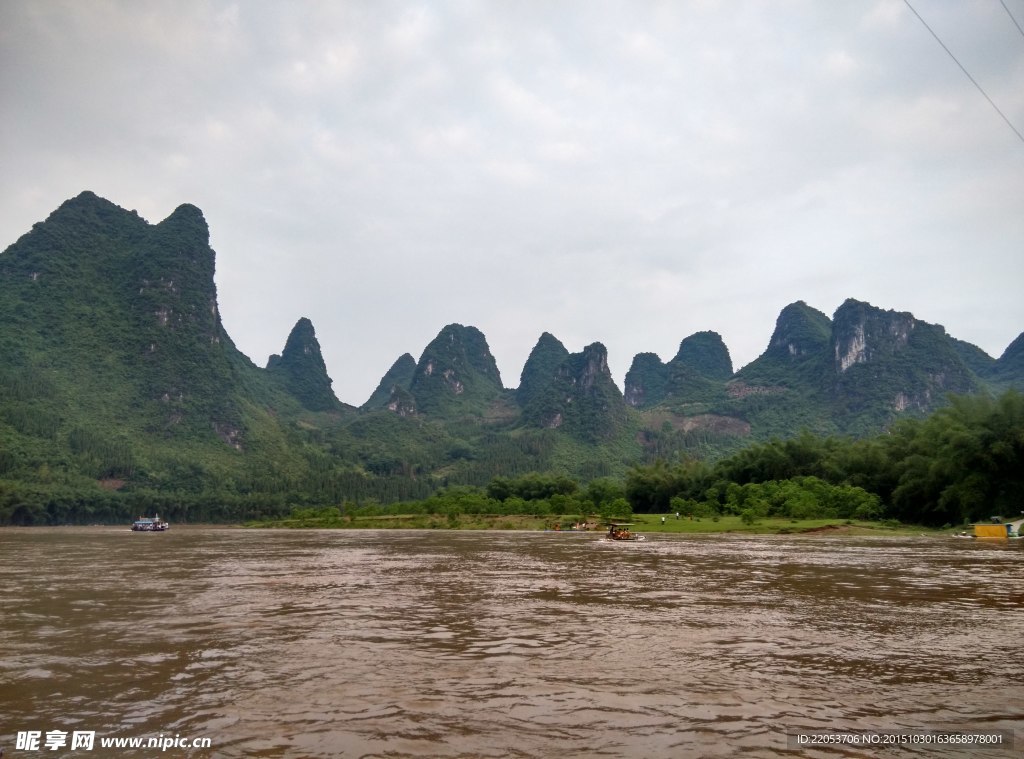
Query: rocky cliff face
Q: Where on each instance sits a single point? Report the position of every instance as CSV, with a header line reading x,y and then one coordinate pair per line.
x,y
863,333
400,401
890,359
594,408
587,370
302,370
858,371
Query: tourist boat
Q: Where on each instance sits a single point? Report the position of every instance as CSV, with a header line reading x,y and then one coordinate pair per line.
x,y
145,524
621,531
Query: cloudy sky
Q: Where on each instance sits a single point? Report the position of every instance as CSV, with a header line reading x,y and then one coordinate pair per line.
x,y
626,172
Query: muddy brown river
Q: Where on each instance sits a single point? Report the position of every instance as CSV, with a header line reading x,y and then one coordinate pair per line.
x,y
275,643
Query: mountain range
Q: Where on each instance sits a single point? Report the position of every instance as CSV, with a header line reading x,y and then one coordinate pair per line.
x,y
116,373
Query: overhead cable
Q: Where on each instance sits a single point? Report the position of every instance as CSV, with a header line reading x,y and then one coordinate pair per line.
x,y
966,72
1012,18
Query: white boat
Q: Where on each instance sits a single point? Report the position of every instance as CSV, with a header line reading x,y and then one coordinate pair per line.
x,y
145,524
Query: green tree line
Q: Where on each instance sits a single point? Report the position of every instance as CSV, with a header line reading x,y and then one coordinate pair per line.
x,y
964,463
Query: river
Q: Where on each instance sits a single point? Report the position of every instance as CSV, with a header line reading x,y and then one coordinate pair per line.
x,y
277,643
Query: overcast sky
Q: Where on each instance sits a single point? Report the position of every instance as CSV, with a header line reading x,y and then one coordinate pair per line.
x,y
625,172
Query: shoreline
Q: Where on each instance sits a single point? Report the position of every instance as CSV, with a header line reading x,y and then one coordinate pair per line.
x,y
649,524
641,523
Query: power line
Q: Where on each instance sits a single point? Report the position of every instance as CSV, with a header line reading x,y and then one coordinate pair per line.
x,y
1012,18
966,72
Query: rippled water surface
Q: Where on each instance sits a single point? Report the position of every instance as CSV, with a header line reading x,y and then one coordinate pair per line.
x,y
505,644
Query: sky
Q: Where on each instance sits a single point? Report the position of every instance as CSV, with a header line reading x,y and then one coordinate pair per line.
x,y
626,172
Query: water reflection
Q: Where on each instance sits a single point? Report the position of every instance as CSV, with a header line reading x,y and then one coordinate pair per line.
x,y
319,644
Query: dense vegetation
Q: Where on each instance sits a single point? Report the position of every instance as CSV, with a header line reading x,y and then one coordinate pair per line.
x,y
965,462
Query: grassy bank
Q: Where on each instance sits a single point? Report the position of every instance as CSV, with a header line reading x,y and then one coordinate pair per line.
x,y
774,526
645,523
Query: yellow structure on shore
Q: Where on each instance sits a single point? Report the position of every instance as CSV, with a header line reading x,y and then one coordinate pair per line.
x,y
991,530
999,529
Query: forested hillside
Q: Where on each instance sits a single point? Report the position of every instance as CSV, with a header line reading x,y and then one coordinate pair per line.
x,y
964,463
121,393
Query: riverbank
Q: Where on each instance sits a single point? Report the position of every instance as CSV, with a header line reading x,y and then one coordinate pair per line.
x,y
647,523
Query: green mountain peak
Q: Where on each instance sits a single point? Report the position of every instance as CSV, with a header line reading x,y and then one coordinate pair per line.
x,y
545,358
705,353
646,382
696,373
456,373
302,370
571,391
399,376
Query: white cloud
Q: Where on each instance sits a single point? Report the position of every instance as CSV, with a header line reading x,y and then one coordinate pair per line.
x,y
840,63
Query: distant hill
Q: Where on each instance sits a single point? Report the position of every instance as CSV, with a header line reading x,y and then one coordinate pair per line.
x,y
118,381
302,371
